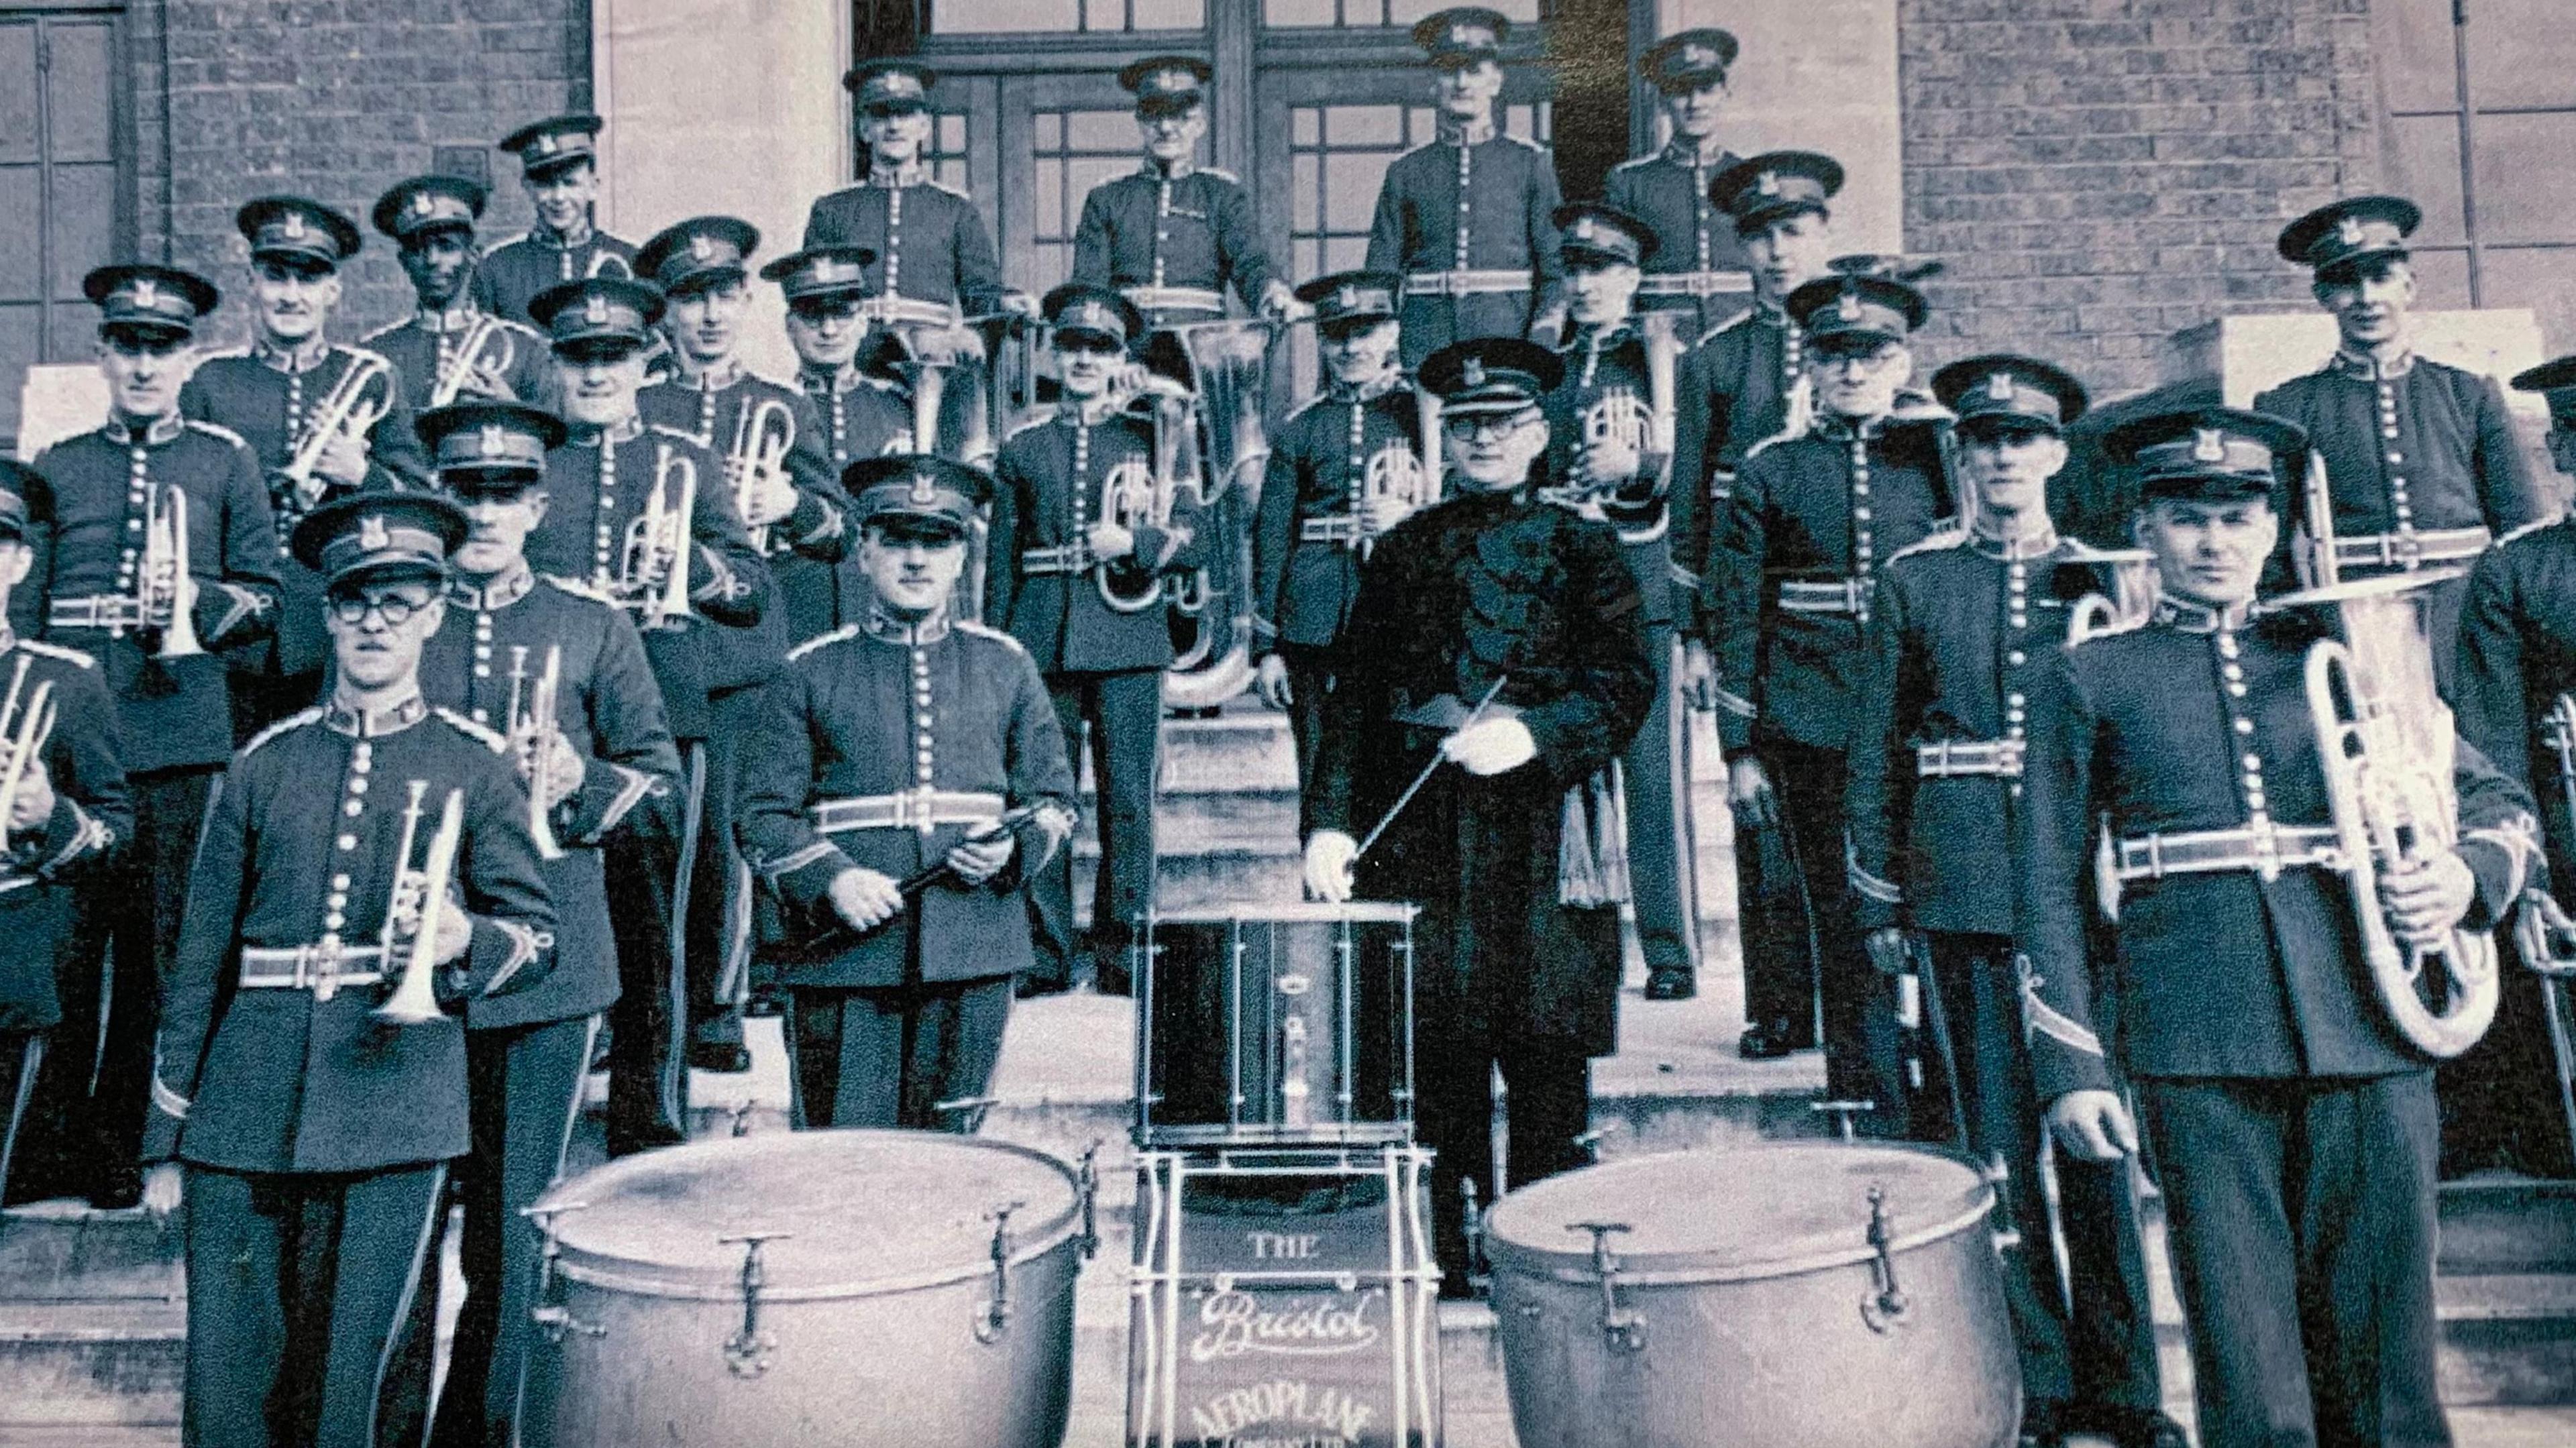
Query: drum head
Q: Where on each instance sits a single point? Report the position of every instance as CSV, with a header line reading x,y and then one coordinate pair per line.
x,y
1765,1211
866,1212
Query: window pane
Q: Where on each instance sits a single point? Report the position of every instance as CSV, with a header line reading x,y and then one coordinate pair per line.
x,y
952,134
21,213
1049,219
1297,12
18,92
1101,131
2541,279
2412,42
2422,159
1350,190
1159,14
1405,12
2442,279
1307,128
1345,253
83,221
1305,215
18,330
80,85
2521,53
1367,125
2525,190
995,17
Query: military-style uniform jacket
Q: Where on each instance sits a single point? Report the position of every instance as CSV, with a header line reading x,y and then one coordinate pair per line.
x,y
883,745
2416,446
1961,627
423,346
268,399
860,416
1792,557
930,241
2517,659
803,547
1748,370
512,273
2194,722
598,485
1448,208
40,868
293,878
88,536
1606,387
1189,230
487,659
1694,238
1306,539
1049,479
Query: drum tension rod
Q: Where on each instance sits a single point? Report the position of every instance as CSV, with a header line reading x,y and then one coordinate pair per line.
x,y
747,1352
1087,1181
1624,1328
1886,1308
995,1318
554,1319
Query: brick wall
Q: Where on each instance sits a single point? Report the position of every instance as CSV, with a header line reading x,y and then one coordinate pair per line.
x,y
2097,174
337,99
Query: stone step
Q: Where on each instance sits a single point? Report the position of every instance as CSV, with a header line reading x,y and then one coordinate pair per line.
x,y
91,1362
2508,1225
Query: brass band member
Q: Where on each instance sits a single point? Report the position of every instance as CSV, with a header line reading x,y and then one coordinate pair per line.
x,y
452,350
1698,265
929,242
559,167
1174,235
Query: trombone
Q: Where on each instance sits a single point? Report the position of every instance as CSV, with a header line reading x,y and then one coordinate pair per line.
x,y
654,570
345,411
529,732
419,898
763,431
161,585
478,364
27,717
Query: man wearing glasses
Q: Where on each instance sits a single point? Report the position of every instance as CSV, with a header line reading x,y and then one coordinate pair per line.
x,y
1793,558
1503,634
856,414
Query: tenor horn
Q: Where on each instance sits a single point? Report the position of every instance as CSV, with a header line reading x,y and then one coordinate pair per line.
x,y
763,432
161,587
419,900
479,363
654,569
345,411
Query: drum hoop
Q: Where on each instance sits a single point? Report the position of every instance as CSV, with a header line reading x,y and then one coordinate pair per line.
x,y
611,1278
1508,1256
1303,912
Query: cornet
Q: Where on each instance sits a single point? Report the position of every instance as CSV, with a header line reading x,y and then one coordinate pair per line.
x,y
345,411
763,431
419,897
654,571
530,732
161,585
479,363
28,723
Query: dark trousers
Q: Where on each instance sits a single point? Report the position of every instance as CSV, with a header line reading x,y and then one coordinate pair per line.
x,y
1548,1105
647,877
1863,1046
296,1287
128,928
2089,1336
1125,713
1778,935
2301,1224
526,1092
22,1058
1310,685
718,944
1661,861
889,1057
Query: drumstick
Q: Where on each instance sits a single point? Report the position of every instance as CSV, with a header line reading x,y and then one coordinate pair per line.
x,y
1419,780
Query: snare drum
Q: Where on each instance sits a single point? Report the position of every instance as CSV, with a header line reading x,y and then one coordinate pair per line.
x,y
1275,1025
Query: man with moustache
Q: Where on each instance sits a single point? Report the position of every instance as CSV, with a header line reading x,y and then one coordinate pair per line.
x,y
1698,264
559,168
431,219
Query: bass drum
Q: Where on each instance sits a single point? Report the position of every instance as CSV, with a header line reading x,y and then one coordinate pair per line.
x,y
1771,1297
857,1288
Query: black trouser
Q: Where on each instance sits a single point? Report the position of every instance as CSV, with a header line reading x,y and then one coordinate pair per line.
x,y
1310,685
526,1092
1863,1045
1661,861
647,878
1125,713
1778,936
1549,1090
718,944
2301,1223
889,1057
296,1287
2501,1100
2088,1337
22,1059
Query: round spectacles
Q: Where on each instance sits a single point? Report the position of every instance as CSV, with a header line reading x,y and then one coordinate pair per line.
x,y
395,609
1487,424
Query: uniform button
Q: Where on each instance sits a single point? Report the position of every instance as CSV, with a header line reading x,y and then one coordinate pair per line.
x,y
1861,513
2015,700
336,899
482,651
354,808
2395,458
2244,726
334,920
2014,716
482,716
358,784
2236,689
1860,489
347,842
2253,764
2019,620
2389,431
2016,658
339,882
482,671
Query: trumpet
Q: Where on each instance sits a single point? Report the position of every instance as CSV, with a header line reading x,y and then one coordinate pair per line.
x,y
161,585
479,363
929,383
28,722
529,732
763,431
419,901
345,411
654,570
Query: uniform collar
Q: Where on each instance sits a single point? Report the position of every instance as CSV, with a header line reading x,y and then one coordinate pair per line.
x,y
156,432
725,373
1603,336
911,632
563,241
1461,134
393,718
500,593
627,431
911,173
1685,153
8,637
844,378
2371,369
455,319
1094,411
304,356
2200,618
1180,170
1843,429
2019,549
1369,391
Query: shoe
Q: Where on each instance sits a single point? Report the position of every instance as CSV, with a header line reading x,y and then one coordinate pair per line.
x,y
726,1058
2135,1427
2043,1424
1671,983
1765,1041
117,1188
650,1136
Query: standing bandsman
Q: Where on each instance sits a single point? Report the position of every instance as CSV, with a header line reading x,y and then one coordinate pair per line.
x,y
451,350
106,581
1962,624
601,488
68,815
1073,528
1698,265
2292,1128
312,1069
2420,458
1343,471
1503,634
859,414
929,244
322,417
559,168
1465,218
909,741
1174,235
1614,449
1794,561
599,767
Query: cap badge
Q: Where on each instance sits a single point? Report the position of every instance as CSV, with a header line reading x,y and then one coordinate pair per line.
x,y
2209,445
146,294
293,227
1697,56
1583,229
373,535
424,203
1471,372
2350,231
1348,298
1848,307
1999,387
546,144
702,248
594,310
925,486
1767,184
495,441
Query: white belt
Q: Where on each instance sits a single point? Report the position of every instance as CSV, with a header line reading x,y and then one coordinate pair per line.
x,y
1956,758
1174,299
1070,558
888,307
1332,528
2201,852
1466,282
1841,595
103,610
1695,284
921,809
321,969
2410,547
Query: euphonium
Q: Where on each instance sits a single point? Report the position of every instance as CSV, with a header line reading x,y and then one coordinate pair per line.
x,y
345,411
161,586
419,899
27,720
1140,492
763,431
2130,591
529,732
654,569
480,363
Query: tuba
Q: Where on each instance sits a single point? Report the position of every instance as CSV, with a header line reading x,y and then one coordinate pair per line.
x,y
1229,369
528,731
763,431
27,724
345,411
478,364
412,915
161,585
653,571
2385,741
1139,492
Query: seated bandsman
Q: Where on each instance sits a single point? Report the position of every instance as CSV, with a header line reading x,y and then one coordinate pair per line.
x,y
599,766
67,815
907,743
1343,471
366,873
1962,625
108,580
2292,1126
1698,264
1174,236
451,350
2420,457
559,168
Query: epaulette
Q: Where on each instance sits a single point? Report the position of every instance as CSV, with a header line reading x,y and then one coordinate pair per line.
x,y
217,430
2076,550
1220,173
676,434
388,329
937,185
843,634
296,720
1722,328
1309,405
2114,630
1036,419
580,588
362,353
1914,408
1633,162
1774,440
987,631
224,354
482,734
2527,529
1934,542
513,239
57,651
1520,141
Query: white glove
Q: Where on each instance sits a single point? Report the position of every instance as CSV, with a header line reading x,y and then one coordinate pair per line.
x,y
2093,1125
1329,856
1491,746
